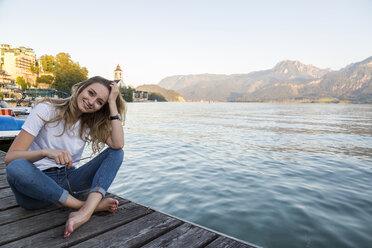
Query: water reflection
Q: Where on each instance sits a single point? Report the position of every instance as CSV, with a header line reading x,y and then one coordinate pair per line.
x,y
277,175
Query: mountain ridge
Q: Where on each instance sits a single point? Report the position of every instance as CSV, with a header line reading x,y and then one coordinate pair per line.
x,y
287,80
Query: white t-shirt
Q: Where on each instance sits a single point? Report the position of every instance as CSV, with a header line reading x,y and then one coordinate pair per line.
x,y
49,136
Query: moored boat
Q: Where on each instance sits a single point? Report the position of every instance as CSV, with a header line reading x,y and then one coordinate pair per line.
x,y
5,109
9,129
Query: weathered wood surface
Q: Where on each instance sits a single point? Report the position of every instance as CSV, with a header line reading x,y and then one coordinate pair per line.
x,y
5,192
132,225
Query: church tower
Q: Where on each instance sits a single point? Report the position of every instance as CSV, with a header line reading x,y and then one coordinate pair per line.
x,y
118,73
118,77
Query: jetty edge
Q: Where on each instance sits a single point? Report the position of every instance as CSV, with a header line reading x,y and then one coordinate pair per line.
x,y
133,225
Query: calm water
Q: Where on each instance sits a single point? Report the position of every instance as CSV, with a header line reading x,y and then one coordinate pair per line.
x,y
276,175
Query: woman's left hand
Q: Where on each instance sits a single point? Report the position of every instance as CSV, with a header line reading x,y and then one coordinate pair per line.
x,y
114,93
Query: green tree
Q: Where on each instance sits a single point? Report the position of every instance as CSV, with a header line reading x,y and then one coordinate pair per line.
x,y
127,93
34,68
21,81
67,72
47,63
46,79
156,96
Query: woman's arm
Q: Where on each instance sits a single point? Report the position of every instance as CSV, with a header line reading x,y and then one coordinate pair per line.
x,y
116,139
21,144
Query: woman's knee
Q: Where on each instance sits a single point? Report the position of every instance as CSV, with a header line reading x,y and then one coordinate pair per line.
x,y
119,153
18,168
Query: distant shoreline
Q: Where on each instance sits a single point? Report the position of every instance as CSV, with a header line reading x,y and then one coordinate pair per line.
x,y
294,101
320,100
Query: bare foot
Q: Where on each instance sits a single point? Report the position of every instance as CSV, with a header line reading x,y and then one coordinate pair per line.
x,y
75,220
107,204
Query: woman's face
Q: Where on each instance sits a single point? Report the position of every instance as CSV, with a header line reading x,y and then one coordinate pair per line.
x,y
92,98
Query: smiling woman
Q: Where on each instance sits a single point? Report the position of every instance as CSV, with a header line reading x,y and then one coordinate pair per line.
x,y
92,98
53,139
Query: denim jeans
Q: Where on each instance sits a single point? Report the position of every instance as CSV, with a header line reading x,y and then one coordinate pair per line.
x,y
34,189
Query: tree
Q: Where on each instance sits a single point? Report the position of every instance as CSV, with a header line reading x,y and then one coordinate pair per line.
x,y
67,72
47,63
156,96
127,93
34,68
46,79
21,81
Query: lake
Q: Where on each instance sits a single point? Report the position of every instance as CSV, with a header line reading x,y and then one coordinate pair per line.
x,y
272,174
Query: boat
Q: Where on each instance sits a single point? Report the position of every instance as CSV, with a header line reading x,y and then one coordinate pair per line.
x,y
5,109
10,126
12,118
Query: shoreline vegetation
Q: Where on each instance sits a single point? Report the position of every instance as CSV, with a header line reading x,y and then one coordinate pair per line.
x,y
321,100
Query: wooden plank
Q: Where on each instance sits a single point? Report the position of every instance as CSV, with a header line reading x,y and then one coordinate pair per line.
x,y
8,202
18,213
2,164
185,235
4,183
5,192
136,233
224,242
3,177
33,225
98,224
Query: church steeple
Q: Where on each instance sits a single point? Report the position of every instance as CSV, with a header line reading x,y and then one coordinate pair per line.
x,y
118,73
118,77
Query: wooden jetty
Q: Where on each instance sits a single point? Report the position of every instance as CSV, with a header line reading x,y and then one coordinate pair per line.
x,y
133,225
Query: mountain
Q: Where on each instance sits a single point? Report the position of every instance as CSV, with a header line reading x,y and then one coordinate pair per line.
x,y
353,83
170,95
287,80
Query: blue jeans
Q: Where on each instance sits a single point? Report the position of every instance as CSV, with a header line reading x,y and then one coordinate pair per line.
x,y
34,189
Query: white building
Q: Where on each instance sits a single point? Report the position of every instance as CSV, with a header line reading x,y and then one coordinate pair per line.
x,y
16,62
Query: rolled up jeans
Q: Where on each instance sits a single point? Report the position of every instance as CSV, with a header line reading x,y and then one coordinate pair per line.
x,y
34,189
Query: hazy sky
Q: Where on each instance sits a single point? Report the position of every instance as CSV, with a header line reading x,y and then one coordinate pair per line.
x,y
155,39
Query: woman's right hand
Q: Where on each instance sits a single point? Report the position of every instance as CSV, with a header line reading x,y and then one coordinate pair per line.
x,y
60,156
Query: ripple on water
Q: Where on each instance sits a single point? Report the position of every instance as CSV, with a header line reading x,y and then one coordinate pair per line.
x,y
278,175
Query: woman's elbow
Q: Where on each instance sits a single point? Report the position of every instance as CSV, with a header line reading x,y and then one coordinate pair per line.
x,y
117,146
7,159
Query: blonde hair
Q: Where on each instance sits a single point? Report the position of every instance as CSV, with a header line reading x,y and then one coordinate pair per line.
x,y
97,122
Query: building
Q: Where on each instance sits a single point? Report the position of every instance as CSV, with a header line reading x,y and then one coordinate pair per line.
x,y
118,77
8,87
140,96
17,62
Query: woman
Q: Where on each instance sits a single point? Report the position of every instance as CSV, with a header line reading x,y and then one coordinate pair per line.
x,y
40,162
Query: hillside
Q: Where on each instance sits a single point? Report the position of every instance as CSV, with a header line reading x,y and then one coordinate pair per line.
x,y
170,95
287,80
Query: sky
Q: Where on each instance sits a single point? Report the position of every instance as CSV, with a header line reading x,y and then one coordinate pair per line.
x,y
154,39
